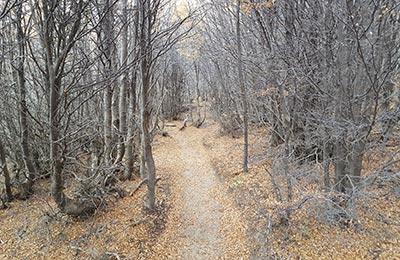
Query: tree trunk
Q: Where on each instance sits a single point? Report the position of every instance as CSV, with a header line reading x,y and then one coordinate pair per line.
x,y
326,163
57,186
130,142
107,94
125,84
242,91
56,56
145,49
130,151
54,120
4,167
23,110
115,88
340,147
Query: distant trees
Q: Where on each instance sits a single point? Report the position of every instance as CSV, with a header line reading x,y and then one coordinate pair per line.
x,y
173,85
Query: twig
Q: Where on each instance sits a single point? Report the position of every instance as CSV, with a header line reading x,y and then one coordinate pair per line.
x,y
141,183
298,206
184,124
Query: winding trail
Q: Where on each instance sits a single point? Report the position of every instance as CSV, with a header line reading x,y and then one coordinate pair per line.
x,y
203,222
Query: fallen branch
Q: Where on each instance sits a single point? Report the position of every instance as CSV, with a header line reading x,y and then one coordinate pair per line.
x,y
299,204
284,214
199,122
141,183
184,124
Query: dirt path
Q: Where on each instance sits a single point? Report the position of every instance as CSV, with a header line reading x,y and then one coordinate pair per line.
x,y
203,221
201,214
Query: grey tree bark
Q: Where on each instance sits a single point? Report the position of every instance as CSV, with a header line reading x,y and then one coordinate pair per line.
x,y
107,46
130,142
125,84
56,56
146,23
242,91
4,168
23,110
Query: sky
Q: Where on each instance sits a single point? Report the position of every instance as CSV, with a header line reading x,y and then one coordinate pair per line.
x,y
183,5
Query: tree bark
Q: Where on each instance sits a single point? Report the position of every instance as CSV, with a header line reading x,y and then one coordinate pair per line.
x,y
55,153
4,167
242,91
125,84
107,93
130,149
145,49
56,55
23,110
326,163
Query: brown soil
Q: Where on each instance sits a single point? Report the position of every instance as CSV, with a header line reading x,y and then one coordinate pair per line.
x,y
204,222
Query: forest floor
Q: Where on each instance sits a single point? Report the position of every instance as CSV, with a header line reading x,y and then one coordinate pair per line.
x,y
194,218
204,222
206,209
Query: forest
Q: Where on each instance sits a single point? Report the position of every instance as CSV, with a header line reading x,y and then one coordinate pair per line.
x,y
190,129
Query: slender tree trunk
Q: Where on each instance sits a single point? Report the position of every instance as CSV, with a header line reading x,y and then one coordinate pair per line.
x,y
145,48
115,88
125,84
107,94
328,144
54,87
56,55
116,135
242,92
326,163
55,153
340,150
286,125
4,167
130,151
289,185
142,170
23,110
198,94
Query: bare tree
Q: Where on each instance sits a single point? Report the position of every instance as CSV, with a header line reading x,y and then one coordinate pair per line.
x,y
323,96
23,110
107,45
146,27
56,57
130,142
125,83
242,91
